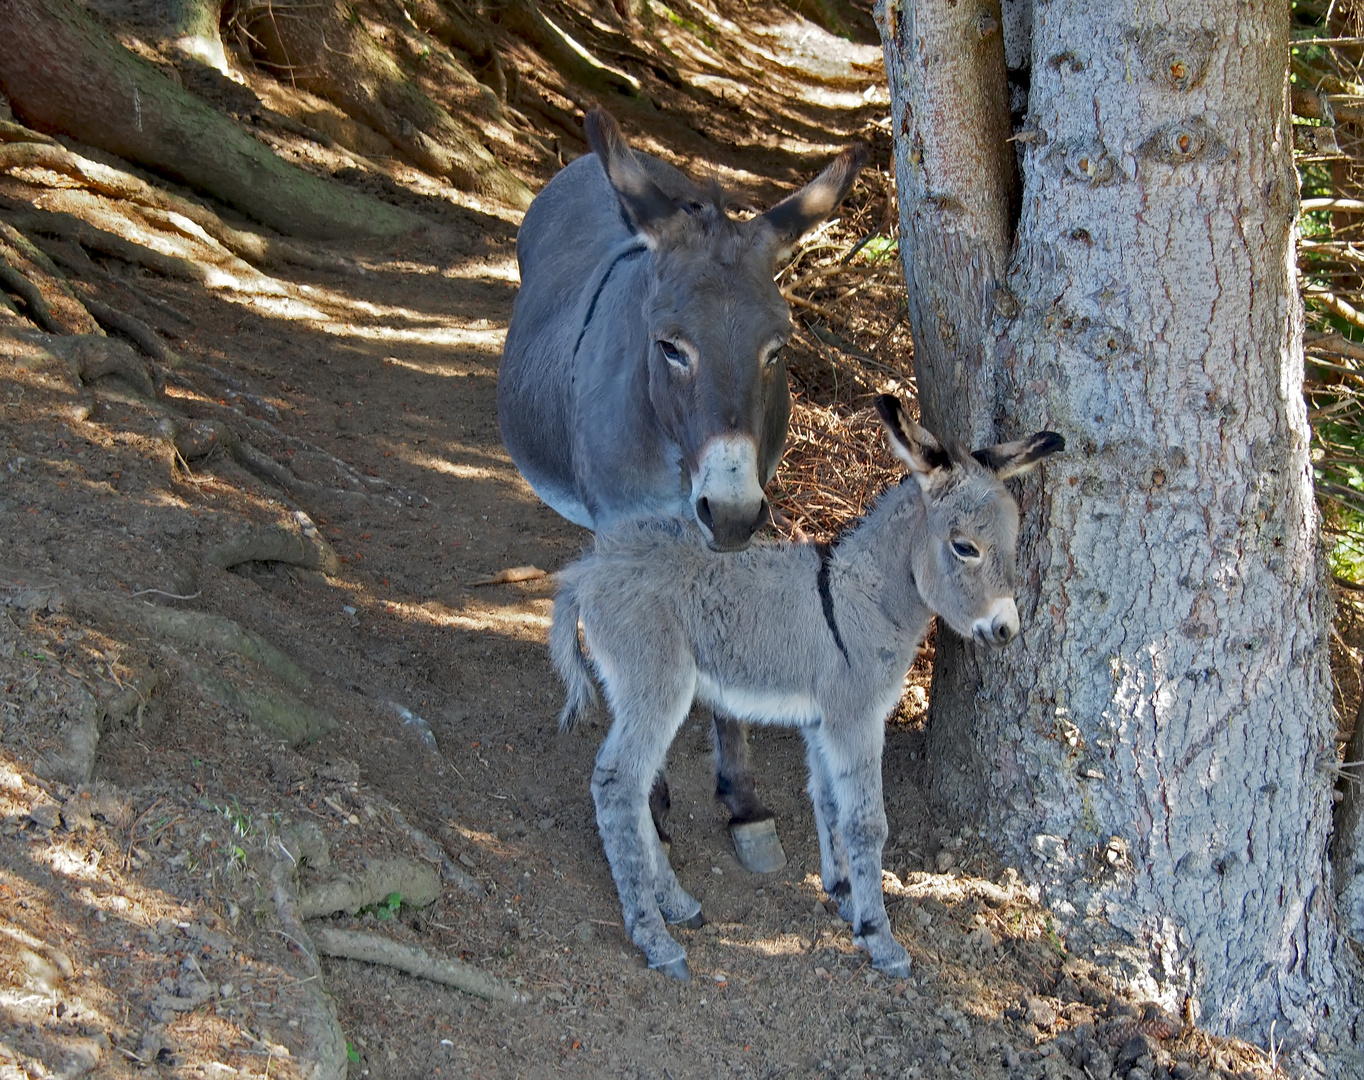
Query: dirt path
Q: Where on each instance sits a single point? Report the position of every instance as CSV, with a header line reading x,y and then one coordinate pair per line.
x,y
142,924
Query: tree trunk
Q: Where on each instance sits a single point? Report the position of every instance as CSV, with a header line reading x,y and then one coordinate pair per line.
x,y
1156,747
314,44
63,73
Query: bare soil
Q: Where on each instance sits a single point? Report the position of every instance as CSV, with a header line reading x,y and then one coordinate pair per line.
x,y
141,926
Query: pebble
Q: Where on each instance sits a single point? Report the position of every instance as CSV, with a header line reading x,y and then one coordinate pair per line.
x,y
45,814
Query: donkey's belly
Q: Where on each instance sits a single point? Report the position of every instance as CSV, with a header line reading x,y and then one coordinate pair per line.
x,y
759,705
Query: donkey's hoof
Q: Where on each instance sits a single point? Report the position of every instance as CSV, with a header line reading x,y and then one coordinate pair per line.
x,y
895,964
694,923
757,846
674,969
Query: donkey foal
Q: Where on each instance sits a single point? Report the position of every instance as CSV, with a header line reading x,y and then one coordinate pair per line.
x,y
802,635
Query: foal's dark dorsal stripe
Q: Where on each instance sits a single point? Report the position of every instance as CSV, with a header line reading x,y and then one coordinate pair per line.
x,y
826,598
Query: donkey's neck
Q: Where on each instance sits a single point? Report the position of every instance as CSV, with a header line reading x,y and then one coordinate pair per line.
x,y
875,557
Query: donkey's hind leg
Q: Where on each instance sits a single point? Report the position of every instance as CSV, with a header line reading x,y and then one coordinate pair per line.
x,y
627,763
751,826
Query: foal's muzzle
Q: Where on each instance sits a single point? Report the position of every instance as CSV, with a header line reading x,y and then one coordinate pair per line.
x,y
999,627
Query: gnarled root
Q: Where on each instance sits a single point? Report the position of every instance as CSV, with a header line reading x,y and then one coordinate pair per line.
x,y
373,949
414,881
275,544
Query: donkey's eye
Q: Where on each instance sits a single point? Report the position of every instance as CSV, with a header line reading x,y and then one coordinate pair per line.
x,y
964,549
773,355
673,354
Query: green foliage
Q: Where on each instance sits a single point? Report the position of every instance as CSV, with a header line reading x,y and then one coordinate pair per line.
x,y
386,908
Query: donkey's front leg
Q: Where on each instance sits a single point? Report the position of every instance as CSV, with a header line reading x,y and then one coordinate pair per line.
x,y
853,763
751,825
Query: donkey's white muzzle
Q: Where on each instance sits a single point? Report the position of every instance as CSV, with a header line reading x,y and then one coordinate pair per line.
x,y
726,495
1000,626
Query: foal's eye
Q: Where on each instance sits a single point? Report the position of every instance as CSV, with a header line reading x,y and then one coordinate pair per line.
x,y
964,549
673,354
775,354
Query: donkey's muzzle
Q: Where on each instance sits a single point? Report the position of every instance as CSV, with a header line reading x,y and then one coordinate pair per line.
x,y
729,528
999,627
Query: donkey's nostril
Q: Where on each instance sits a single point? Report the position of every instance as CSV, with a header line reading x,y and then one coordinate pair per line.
x,y
1003,633
703,513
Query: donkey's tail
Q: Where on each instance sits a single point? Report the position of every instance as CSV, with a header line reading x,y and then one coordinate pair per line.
x,y
566,654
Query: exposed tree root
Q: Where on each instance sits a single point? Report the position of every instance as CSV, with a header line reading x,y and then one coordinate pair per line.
x,y
31,275
147,339
198,439
192,628
317,46
278,713
414,881
35,152
319,1027
432,851
373,949
64,72
525,19
275,544
91,357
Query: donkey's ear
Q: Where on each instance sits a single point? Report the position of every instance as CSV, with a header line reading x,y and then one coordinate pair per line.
x,y
1012,458
913,445
797,214
648,207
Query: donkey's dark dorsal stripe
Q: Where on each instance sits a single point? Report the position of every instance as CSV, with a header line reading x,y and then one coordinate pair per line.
x,y
642,372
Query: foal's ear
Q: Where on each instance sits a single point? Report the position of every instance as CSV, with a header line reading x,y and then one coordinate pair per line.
x,y
913,445
797,214
646,204
1013,458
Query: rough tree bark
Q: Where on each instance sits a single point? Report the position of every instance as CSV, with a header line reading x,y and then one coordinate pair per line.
x,y
63,73
1157,747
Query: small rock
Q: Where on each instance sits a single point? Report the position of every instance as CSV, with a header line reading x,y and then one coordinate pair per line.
x,y
584,932
45,814
546,823
944,861
227,990
466,860
1038,1011
1181,1070
1133,1049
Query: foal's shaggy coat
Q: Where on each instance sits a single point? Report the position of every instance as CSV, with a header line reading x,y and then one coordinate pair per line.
x,y
794,634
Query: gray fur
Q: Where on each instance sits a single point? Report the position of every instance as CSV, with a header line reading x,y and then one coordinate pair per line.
x,y
666,621
619,253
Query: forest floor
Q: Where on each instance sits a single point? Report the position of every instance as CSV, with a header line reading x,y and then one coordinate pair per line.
x,y
148,914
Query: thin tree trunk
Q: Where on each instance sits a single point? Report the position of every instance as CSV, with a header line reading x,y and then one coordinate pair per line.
x,y
1156,749
64,73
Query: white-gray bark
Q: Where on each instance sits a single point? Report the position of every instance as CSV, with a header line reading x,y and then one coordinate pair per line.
x,y
1156,748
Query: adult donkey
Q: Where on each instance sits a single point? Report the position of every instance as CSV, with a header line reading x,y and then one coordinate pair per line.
x,y
642,374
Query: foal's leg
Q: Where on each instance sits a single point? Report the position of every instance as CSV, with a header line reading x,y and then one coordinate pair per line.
x,y
628,761
751,824
850,757
833,857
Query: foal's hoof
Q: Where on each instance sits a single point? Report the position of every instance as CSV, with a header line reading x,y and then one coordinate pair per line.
x,y
694,923
674,969
757,846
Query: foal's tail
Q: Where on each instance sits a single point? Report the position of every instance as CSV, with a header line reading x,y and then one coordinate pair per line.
x,y
566,654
